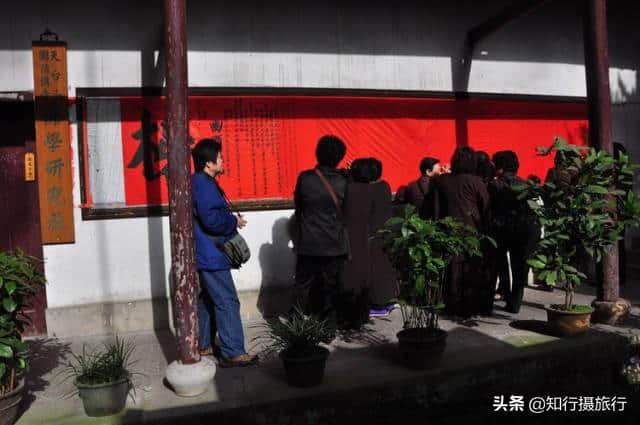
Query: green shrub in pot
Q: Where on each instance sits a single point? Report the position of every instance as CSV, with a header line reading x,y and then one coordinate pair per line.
x,y
420,251
584,210
20,278
102,376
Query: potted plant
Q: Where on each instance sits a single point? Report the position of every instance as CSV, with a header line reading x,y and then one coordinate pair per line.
x,y
584,209
420,251
102,376
297,338
20,277
631,367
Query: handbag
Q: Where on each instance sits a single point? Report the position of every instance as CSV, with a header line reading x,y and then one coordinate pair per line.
x,y
235,248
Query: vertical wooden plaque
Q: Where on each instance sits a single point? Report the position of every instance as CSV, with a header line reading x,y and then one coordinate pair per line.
x,y
53,148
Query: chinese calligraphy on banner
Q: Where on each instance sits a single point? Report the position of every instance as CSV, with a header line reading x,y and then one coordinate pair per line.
x,y
53,148
268,140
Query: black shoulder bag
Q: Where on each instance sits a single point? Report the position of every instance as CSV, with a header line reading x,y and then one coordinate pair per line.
x,y
235,249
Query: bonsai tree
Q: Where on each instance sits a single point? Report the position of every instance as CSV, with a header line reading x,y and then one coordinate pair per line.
x,y
420,251
20,277
584,211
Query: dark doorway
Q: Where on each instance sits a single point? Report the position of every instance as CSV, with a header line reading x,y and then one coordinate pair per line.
x,y
19,206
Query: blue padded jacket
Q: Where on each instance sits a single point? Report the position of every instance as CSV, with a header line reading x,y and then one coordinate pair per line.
x,y
211,216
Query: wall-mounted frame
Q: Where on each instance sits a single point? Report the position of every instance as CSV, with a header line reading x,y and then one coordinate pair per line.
x,y
269,136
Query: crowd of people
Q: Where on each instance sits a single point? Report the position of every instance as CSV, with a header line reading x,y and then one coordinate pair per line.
x,y
341,273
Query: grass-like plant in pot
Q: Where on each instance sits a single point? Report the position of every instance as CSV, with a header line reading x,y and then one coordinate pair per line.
x,y
420,251
584,210
102,376
20,277
297,338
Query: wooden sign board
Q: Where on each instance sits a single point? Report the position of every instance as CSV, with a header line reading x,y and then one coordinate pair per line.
x,y
29,167
53,147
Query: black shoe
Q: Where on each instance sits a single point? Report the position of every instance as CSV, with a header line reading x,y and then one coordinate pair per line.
x,y
510,309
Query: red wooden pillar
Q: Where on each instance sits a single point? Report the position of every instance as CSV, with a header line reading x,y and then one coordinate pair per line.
x,y
180,206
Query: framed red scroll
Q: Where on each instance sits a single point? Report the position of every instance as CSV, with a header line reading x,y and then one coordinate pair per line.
x,y
267,139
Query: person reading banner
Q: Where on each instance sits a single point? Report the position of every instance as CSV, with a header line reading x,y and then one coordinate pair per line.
x,y
218,304
321,245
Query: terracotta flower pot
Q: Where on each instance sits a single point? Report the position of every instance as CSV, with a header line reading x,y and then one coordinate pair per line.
x,y
568,323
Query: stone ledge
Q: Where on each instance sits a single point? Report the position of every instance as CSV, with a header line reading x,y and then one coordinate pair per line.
x,y
147,315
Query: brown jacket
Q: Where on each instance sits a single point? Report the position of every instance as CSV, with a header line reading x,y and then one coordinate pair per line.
x,y
463,196
417,191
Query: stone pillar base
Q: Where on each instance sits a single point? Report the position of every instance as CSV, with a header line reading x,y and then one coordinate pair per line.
x,y
608,312
190,380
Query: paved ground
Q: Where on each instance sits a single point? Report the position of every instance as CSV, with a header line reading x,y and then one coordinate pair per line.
x,y
362,360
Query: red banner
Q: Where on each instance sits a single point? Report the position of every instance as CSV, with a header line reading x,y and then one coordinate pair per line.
x,y
268,140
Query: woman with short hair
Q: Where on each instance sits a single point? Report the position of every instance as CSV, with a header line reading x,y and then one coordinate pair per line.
x,y
321,243
461,195
213,224
369,280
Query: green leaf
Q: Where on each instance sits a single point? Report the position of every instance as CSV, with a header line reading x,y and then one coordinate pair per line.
x,y
596,189
22,364
536,264
551,278
9,304
420,283
6,351
10,287
1,281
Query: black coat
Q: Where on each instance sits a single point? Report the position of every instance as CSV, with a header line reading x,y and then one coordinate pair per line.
x,y
367,208
417,191
319,225
510,216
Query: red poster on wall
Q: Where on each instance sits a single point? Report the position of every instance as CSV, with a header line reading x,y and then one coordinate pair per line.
x,y
268,140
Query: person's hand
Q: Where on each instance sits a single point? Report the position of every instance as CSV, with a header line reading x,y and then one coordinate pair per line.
x,y
445,169
241,221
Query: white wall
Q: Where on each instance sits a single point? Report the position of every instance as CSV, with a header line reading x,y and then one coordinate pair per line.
x,y
352,44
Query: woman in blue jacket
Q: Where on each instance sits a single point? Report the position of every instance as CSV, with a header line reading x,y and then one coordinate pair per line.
x,y
218,297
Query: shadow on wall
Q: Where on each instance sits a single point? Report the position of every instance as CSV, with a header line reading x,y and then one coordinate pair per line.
x,y
45,356
277,262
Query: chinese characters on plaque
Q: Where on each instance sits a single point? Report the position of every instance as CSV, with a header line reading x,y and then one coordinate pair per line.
x,y
53,148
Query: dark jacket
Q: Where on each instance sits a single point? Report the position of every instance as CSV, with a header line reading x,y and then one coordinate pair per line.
x,y
417,191
320,227
509,214
211,216
367,207
463,196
